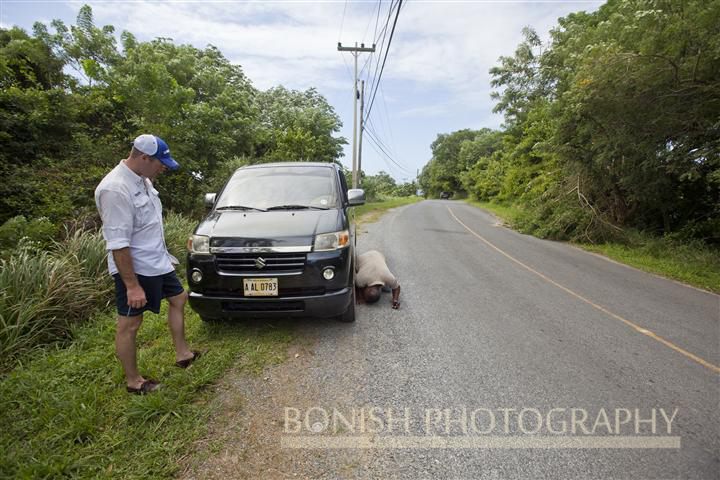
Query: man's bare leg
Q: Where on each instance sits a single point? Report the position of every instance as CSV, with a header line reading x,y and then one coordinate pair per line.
x,y
176,322
127,328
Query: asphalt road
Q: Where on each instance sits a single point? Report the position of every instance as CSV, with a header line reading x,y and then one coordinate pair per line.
x,y
494,319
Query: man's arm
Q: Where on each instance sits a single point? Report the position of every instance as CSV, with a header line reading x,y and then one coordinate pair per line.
x,y
396,297
116,210
135,293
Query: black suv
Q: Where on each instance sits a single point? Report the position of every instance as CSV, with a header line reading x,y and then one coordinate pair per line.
x,y
277,242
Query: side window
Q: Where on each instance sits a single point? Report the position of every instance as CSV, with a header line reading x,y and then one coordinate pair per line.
x,y
343,186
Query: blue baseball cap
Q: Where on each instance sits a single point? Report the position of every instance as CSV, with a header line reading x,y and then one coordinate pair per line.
x,y
156,147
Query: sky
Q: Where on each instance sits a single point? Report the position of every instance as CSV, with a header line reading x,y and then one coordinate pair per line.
x,y
436,77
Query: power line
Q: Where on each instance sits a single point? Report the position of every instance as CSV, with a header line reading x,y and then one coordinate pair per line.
x,y
355,51
390,167
382,33
378,137
373,138
387,50
342,22
370,21
377,19
387,116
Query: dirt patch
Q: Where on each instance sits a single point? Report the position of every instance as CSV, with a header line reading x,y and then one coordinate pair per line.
x,y
244,439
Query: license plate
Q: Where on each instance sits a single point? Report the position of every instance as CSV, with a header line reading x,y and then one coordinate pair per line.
x,y
260,287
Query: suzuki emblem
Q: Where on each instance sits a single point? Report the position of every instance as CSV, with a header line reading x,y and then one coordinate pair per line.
x,y
260,262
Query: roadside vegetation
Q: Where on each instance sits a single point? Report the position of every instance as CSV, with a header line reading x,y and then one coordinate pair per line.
x,y
62,396
65,413
690,262
611,137
371,211
48,291
72,100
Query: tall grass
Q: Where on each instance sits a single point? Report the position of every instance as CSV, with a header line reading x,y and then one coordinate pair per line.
x,y
177,230
44,294
41,297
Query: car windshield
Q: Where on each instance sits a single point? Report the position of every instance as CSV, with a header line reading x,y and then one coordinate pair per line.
x,y
280,187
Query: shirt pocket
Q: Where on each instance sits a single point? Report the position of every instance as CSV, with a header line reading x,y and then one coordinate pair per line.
x,y
144,212
155,199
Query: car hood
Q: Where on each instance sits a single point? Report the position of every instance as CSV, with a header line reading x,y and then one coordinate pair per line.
x,y
269,229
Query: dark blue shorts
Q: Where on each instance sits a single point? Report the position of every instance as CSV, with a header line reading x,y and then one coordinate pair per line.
x,y
156,288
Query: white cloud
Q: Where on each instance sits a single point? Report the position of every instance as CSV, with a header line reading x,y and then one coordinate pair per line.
x,y
437,74
450,45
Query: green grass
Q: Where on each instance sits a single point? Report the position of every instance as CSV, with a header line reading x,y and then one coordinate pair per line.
x,y
504,212
370,212
63,407
692,263
65,413
45,293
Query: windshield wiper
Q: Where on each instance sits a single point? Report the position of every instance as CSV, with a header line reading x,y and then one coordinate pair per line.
x,y
296,207
239,207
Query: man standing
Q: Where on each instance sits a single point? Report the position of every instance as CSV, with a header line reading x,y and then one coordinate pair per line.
x,y
372,275
138,258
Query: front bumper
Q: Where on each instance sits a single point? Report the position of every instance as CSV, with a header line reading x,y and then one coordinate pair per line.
x,y
330,304
302,292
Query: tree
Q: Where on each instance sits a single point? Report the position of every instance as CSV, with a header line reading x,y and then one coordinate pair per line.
x,y
614,123
59,133
297,126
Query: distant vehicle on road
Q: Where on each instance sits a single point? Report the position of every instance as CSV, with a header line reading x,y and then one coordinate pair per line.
x,y
278,242
446,195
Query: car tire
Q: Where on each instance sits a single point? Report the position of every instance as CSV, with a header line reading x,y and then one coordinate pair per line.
x,y
349,315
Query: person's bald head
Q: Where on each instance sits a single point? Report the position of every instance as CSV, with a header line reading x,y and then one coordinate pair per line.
x,y
371,294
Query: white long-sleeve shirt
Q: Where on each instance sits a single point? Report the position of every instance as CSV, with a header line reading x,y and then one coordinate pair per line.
x,y
131,213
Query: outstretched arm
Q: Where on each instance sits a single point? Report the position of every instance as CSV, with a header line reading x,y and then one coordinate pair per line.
x,y
396,297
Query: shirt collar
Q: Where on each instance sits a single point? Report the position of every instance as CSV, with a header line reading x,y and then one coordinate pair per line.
x,y
134,177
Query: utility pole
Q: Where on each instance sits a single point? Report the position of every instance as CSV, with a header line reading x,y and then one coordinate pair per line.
x,y
362,127
355,52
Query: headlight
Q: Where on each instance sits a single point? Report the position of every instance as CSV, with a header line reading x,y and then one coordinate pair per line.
x,y
199,244
331,241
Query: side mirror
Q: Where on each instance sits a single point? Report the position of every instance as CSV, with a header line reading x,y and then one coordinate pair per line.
x,y
356,196
209,199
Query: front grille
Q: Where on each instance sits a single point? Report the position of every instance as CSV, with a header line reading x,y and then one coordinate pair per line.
x,y
264,306
246,262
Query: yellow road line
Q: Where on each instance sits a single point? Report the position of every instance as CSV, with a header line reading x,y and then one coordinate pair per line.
x,y
630,324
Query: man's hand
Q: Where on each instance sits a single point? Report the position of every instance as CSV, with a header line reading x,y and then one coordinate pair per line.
x,y
136,297
135,293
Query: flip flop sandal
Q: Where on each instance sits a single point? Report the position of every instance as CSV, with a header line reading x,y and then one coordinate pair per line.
x,y
148,386
188,361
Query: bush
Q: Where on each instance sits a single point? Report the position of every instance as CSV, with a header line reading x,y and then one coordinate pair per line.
x,y
38,233
86,249
44,294
41,297
177,230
